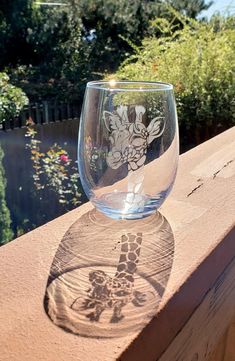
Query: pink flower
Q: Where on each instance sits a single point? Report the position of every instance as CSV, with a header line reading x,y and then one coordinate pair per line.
x,y
64,158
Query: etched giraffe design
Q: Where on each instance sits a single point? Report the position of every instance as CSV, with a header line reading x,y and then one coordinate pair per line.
x,y
114,292
129,139
129,142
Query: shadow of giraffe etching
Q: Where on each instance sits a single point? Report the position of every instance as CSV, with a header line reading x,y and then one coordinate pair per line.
x,y
107,292
104,270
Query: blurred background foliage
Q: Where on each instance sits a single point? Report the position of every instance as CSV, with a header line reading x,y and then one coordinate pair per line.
x,y
6,232
49,52
199,60
53,170
12,98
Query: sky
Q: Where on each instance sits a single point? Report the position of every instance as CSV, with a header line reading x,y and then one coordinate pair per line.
x,y
223,6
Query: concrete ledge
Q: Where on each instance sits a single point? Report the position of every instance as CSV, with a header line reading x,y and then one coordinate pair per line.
x,y
184,260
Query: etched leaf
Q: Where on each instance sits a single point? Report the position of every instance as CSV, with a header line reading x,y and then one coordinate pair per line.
x,y
107,116
113,122
155,128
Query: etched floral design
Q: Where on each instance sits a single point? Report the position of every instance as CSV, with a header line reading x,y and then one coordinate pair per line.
x,y
130,139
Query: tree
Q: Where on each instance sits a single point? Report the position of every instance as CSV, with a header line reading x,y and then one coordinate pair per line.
x,y
190,8
110,24
79,41
199,61
57,59
15,19
6,233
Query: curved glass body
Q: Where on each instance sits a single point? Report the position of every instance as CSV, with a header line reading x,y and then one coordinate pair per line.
x,y
128,146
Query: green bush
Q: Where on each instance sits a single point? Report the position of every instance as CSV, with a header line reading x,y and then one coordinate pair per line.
x,y
6,233
12,99
53,171
199,60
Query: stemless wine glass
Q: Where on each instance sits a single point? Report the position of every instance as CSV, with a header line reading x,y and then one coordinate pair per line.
x,y
128,146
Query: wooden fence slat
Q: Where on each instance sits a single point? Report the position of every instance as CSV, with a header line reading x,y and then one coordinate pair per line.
x,y
6,125
49,112
15,122
56,112
59,113
24,115
43,113
37,115
69,111
64,112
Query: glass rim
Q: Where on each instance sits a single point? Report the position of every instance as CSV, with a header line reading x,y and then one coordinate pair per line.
x,y
114,85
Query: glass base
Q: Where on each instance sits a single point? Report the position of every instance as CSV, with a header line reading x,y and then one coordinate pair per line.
x,y
127,205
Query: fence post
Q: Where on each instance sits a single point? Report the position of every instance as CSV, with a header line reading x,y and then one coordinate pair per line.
x,y
69,111
64,114
56,111
23,116
37,113
45,112
6,125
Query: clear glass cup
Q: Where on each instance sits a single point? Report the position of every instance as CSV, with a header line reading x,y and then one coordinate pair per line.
x,y
128,146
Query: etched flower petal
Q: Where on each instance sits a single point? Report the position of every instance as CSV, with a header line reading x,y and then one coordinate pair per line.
x,y
117,155
138,141
141,161
133,165
114,160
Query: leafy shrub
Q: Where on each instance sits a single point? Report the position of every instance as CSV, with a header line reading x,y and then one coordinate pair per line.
x,y
53,170
199,61
12,99
6,233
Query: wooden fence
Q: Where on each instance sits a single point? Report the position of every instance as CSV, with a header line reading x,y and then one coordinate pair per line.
x,y
43,113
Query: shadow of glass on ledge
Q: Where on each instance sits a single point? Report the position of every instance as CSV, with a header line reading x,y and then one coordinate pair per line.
x,y
108,276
